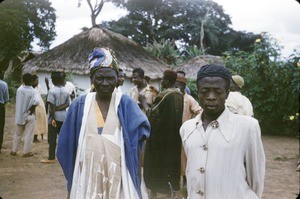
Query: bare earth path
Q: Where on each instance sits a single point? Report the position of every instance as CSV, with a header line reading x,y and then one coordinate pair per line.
x,y
27,178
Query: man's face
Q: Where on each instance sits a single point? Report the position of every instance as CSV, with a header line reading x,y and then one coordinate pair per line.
x,y
121,79
179,74
181,86
35,82
105,81
164,82
212,93
136,79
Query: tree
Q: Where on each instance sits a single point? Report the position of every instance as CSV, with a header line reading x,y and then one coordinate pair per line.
x,y
20,23
150,21
96,7
202,23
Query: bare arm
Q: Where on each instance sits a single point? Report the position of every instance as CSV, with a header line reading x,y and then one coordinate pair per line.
x,y
62,107
142,100
47,83
52,114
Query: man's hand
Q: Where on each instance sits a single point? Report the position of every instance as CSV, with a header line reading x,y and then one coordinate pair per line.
x,y
53,123
141,98
143,104
32,110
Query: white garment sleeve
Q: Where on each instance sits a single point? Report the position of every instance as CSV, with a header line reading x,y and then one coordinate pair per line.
x,y
255,160
36,99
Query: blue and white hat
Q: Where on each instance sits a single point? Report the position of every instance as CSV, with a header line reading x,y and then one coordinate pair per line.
x,y
102,58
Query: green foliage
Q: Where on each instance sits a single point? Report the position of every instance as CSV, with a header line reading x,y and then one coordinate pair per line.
x,y
177,20
170,19
12,86
165,51
20,23
242,41
271,85
191,52
191,83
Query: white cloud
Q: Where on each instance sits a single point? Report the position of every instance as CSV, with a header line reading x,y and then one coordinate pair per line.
x,y
280,18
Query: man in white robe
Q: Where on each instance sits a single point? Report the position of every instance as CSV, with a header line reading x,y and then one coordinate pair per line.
x,y
225,155
101,138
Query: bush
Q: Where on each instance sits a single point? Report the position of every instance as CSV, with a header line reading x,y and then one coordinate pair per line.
x,y
13,85
191,83
164,50
271,85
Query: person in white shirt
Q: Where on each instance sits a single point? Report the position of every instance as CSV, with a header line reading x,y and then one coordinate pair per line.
x,y
71,88
225,155
26,101
141,88
4,98
58,99
236,101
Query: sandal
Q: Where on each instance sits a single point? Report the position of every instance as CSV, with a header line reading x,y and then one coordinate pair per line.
x,y
28,154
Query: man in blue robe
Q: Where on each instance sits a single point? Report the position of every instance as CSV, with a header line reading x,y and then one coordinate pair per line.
x,y
101,138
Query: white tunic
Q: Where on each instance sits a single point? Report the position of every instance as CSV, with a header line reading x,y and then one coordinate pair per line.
x,y
226,161
25,98
100,167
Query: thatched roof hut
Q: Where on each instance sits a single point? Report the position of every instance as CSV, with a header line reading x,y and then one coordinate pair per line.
x,y
192,66
71,56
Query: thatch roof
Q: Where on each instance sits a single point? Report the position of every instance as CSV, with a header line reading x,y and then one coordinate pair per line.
x,y
72,56
192,66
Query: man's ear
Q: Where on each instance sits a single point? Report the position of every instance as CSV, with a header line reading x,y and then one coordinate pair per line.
x,y
227,93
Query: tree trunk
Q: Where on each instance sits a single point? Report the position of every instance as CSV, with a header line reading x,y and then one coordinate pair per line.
x,y
93,18
202,31
3,66
95,10
202,37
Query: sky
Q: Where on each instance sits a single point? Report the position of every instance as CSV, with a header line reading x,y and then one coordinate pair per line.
x,y
280,18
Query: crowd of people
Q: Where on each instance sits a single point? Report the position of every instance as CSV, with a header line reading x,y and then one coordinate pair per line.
x,y
152,143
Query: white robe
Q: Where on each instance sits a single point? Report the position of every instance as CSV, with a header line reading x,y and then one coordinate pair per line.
x,y
98,173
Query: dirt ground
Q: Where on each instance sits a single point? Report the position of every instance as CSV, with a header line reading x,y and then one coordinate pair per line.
x,y
27,178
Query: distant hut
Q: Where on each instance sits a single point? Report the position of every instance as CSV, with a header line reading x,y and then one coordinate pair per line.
x,y
192,66
71,57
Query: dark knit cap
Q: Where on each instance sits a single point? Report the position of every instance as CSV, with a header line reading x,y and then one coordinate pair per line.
x,y
213,70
